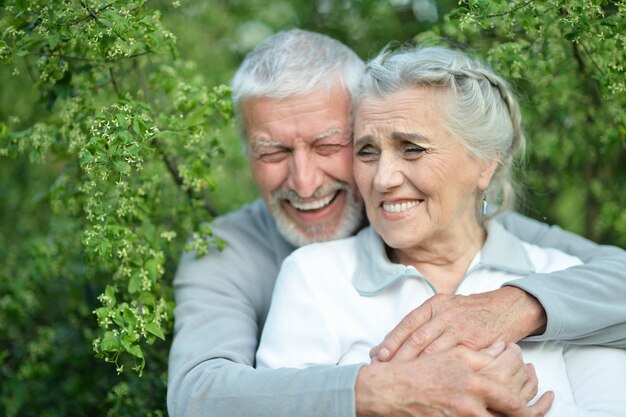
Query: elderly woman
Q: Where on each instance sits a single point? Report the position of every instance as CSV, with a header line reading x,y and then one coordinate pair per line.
x,y
434,137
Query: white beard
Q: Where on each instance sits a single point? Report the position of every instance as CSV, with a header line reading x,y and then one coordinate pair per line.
x,y
348,225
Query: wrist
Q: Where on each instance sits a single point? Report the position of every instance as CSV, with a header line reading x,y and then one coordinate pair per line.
x,y
531,317
366,396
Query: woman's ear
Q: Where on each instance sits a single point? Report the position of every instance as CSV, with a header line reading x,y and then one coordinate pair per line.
x,y
489,167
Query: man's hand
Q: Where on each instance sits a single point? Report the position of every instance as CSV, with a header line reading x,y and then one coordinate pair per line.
x,y
455,383
475,321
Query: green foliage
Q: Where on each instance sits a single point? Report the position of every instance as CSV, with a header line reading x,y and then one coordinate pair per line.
x,y
567,60
111,144
114,171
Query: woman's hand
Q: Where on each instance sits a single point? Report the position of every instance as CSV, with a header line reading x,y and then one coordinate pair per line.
x,y
475,321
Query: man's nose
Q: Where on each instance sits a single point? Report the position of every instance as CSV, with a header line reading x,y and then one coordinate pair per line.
x,y
306,175
388,174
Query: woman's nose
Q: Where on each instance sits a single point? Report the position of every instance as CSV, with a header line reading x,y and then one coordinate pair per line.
x,y
388,174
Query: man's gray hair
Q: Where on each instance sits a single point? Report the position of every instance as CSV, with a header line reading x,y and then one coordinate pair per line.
x,y
294,63
483,113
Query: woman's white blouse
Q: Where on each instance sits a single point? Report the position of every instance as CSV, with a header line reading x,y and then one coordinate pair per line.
x,y
333,301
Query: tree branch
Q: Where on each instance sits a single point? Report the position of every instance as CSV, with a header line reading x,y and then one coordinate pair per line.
x,y
179,180
96,60
92,14
89,9
521,6
116,86
593,61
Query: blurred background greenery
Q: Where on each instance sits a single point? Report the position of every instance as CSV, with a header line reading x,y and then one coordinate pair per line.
x,y
566,59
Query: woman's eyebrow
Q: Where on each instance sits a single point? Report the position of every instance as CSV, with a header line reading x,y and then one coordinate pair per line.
x,y
363,140
409,136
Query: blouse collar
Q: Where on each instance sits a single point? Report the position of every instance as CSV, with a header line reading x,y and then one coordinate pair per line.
x,y
375,272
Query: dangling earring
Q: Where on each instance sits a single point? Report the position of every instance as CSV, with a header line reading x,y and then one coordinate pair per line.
x,y
485,205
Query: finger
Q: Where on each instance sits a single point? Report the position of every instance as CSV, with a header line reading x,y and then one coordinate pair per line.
x,y
405,331
445,341
495,349
542,406
510,360
506,364
477,361
374,352
499,399
529,390
518,381
419,340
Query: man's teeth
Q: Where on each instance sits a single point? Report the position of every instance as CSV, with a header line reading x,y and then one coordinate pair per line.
x,y
313,205
399,207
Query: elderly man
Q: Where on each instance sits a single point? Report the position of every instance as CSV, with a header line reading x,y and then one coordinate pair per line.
x,y
292,98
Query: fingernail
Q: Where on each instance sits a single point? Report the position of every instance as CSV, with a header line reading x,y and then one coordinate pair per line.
x,y
383,354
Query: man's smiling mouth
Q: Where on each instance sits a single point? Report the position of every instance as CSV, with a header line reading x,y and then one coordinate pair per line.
x,y
314,204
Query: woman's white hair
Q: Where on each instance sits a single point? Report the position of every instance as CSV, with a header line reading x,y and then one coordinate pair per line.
x,y
483,111
294,63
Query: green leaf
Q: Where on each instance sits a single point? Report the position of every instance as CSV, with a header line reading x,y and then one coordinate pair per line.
x,y
129,317
85,157
105,22
134,284
109,291
122,166
155,330
147,299
110,342
130,346
53,40
151,267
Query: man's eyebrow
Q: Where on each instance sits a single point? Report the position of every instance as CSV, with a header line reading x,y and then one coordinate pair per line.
x,y
328,133
266,144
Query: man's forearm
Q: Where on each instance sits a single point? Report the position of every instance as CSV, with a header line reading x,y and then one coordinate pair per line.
x,y
219,387
583,304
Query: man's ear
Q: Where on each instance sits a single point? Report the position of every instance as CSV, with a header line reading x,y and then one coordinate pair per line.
x,y
489,167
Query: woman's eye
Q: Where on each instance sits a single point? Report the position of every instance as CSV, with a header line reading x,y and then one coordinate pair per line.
x,y
412,149
367,152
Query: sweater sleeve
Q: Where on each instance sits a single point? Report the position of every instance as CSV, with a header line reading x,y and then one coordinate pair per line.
x,y
584,304
222,300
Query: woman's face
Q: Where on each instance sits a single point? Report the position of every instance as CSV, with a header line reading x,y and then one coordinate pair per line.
x,y
419,184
